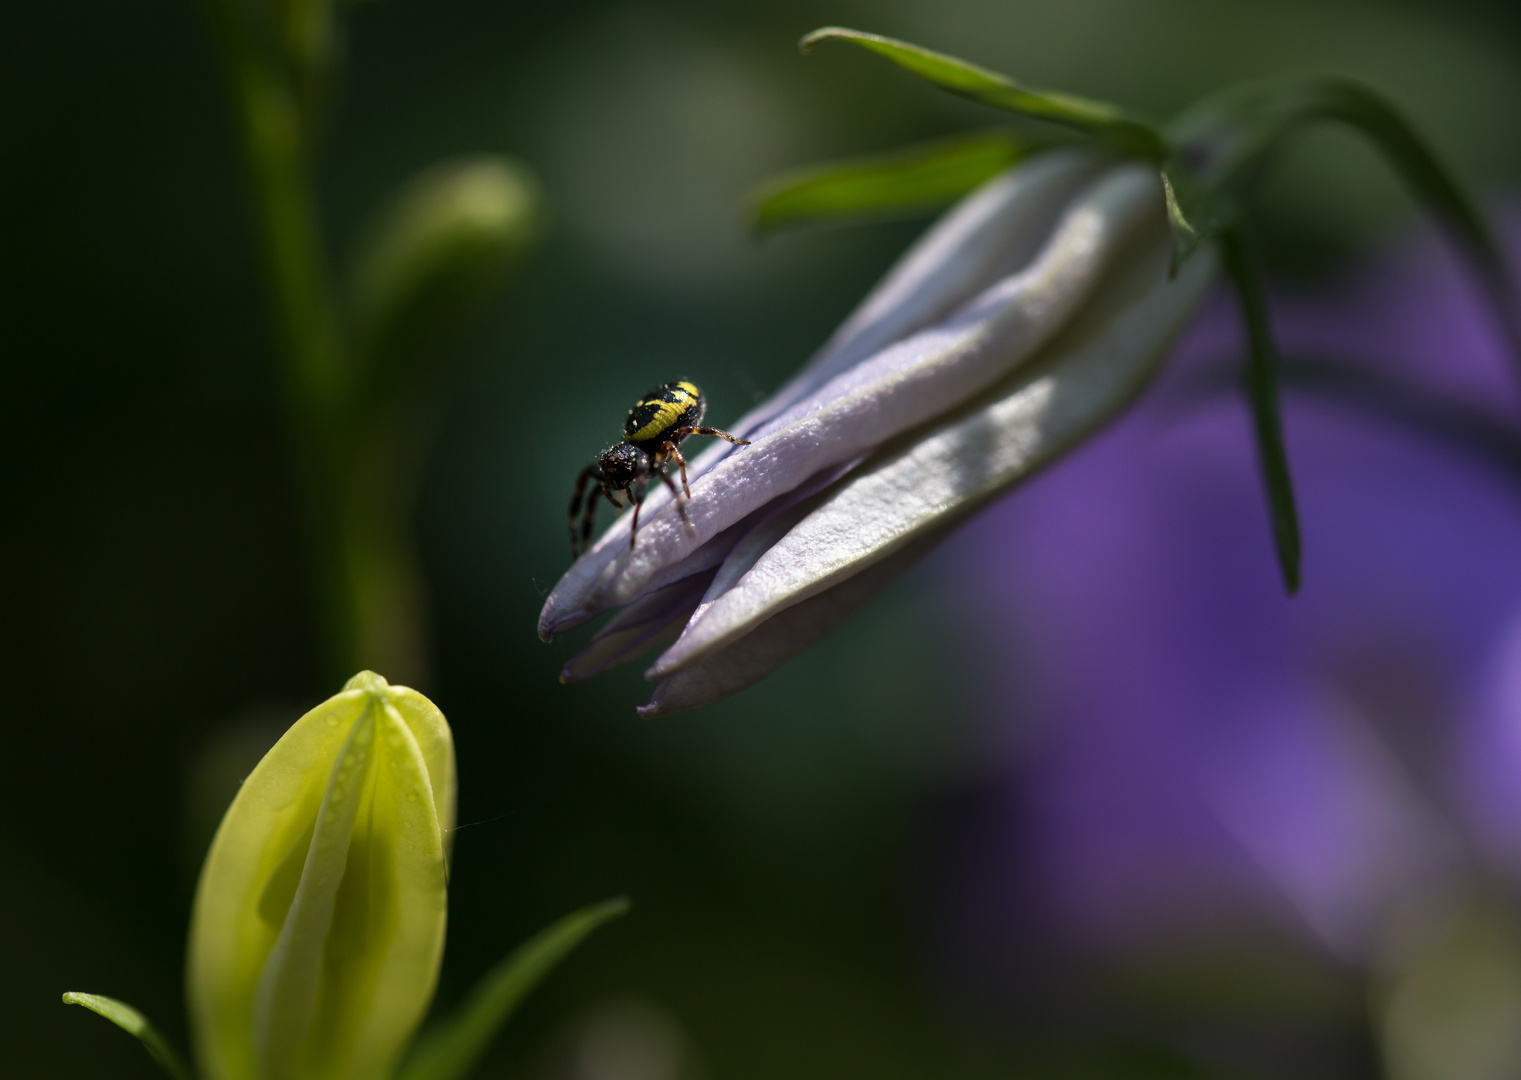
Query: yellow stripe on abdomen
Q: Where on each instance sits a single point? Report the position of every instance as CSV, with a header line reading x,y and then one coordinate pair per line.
x,y
662,410
666,413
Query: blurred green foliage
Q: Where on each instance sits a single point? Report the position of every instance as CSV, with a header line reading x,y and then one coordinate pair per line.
x,y
780,848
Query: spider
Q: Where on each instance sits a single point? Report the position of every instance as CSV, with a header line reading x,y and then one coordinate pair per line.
x,y
652,435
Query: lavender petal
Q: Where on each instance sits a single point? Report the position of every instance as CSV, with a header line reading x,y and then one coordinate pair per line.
x,y
776,641
655,617
903,386
1083,377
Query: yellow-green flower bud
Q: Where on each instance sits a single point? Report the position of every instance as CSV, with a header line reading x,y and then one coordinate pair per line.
x,y
319,919
433,255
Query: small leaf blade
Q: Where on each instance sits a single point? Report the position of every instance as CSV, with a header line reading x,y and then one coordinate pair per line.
x,y
899,183
1261,385
451,1050
1126,132
134,1023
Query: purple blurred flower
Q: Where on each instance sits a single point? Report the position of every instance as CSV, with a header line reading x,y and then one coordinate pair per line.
x,y
1201,759
1023,320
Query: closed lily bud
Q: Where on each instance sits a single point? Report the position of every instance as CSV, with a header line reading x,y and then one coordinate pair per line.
x,y
1027,317
318,924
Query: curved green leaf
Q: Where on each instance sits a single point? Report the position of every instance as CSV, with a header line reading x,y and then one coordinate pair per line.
x,y
450,1050
1227,135
1261,386
899,183
135,1023
1125,131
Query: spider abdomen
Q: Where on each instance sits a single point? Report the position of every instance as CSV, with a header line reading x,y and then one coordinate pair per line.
x,y
660,411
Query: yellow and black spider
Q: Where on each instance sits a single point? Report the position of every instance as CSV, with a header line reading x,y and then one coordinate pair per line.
x,y
652,437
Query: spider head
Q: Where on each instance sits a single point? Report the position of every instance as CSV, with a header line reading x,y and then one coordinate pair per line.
x,y
624,464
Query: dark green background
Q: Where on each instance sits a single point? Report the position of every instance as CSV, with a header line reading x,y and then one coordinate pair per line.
x,y
779,847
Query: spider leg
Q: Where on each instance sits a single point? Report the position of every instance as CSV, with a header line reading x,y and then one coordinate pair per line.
x,y
681,504
590,518
671,450
589,473
683,432
588,521
638,501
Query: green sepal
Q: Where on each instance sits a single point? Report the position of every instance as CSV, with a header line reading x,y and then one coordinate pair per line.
x,y
1261,385
1194,214
1124,131
900,183
451,1049
431,258
1229,134
135,1023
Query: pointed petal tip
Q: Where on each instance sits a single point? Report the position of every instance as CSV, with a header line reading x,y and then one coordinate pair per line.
x,y
552,622
672,662
547,620
655,707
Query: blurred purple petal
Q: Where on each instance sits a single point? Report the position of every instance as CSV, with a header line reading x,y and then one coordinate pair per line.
x,y
1205,750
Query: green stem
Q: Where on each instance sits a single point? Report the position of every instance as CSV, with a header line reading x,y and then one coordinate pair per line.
x,y
1235,129
353,558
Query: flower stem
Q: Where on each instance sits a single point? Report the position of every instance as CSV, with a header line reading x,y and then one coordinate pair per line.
x,y
358,562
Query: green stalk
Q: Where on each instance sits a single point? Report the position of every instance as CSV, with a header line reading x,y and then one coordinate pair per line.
x,y
351,552
1234,131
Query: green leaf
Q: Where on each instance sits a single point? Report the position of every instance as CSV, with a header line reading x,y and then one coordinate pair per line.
x,y
430,260
1192,215
133,1022
900,183
1261,386
450,1050
1227,136
1126,132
